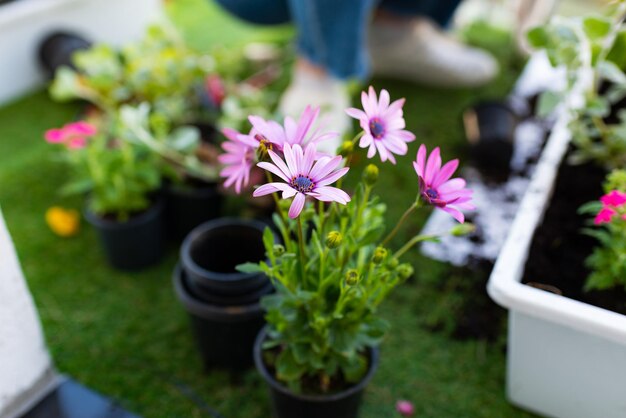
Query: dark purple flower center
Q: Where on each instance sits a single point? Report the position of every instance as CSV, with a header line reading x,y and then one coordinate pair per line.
x,y
377,128
431,196
303,184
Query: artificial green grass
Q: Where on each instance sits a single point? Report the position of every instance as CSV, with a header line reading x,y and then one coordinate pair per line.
x,y
126,335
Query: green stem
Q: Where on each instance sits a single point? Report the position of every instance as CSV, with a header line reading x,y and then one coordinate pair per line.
x,y
301,245
399,224
412,242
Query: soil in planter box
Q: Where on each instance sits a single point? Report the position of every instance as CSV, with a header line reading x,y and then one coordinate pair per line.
x,y
559,249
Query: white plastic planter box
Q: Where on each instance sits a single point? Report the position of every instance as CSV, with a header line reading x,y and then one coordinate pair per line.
x,y
24,23
566,359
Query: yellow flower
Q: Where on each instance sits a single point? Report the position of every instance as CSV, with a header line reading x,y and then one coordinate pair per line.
x,y
63,222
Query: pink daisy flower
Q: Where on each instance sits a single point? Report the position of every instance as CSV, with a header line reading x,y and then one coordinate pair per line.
x,y
73,135
436,187
270,135
238,160
304,178
383,125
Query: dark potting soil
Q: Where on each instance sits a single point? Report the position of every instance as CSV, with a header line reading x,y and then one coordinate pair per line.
x,y
559,249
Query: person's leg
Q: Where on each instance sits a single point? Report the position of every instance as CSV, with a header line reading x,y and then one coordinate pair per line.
x,y
262,12
440,11
332,34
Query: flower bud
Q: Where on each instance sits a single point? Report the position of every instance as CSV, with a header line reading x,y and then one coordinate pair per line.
x,y
333,239
379,255
462,229
405,271
352,277
278,250
370,175
393,262
346,148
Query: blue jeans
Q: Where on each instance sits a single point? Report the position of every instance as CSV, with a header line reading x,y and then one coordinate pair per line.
x,y
332,33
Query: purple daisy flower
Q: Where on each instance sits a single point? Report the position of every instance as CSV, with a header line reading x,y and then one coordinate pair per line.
x,y
270,135
238,160
304,176
436,187
383,125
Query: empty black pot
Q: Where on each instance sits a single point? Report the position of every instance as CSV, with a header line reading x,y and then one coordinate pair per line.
x,y
56,50
189,205
216,298
287,404
134,244
224,335
211,252
490,130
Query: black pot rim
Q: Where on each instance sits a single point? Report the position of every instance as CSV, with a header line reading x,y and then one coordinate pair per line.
x,y
146,216
194,269
276,385
200,293
206,310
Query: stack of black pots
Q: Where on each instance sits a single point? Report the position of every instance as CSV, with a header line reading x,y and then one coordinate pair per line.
x,y
222,303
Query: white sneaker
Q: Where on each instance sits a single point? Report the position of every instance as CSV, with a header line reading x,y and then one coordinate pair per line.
x,y
422,53
324,91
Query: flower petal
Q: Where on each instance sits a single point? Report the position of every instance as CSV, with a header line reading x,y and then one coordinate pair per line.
x,y
273,169
296,205
266,189
331,178
330,194
445,173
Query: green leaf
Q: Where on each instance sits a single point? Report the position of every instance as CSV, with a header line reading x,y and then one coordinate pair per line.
x,y
611,72
249,268
287,369
184,138
596,27
548,101
538,37
268,239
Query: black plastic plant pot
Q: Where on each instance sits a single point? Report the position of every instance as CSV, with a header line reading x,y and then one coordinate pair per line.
x,y
216,298
134,244
490,130
189,205
287,404
57,48
224,335
211,252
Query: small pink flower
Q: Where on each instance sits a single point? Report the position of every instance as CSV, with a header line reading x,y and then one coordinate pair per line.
x,y
215,89
615,199
383,124
604,216
270,135
436,187
238,160
304,178
73,135
405,408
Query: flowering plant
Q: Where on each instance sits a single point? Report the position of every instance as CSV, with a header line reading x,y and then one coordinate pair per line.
x,y
608,261
158,69
118,174
179,149
335,264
